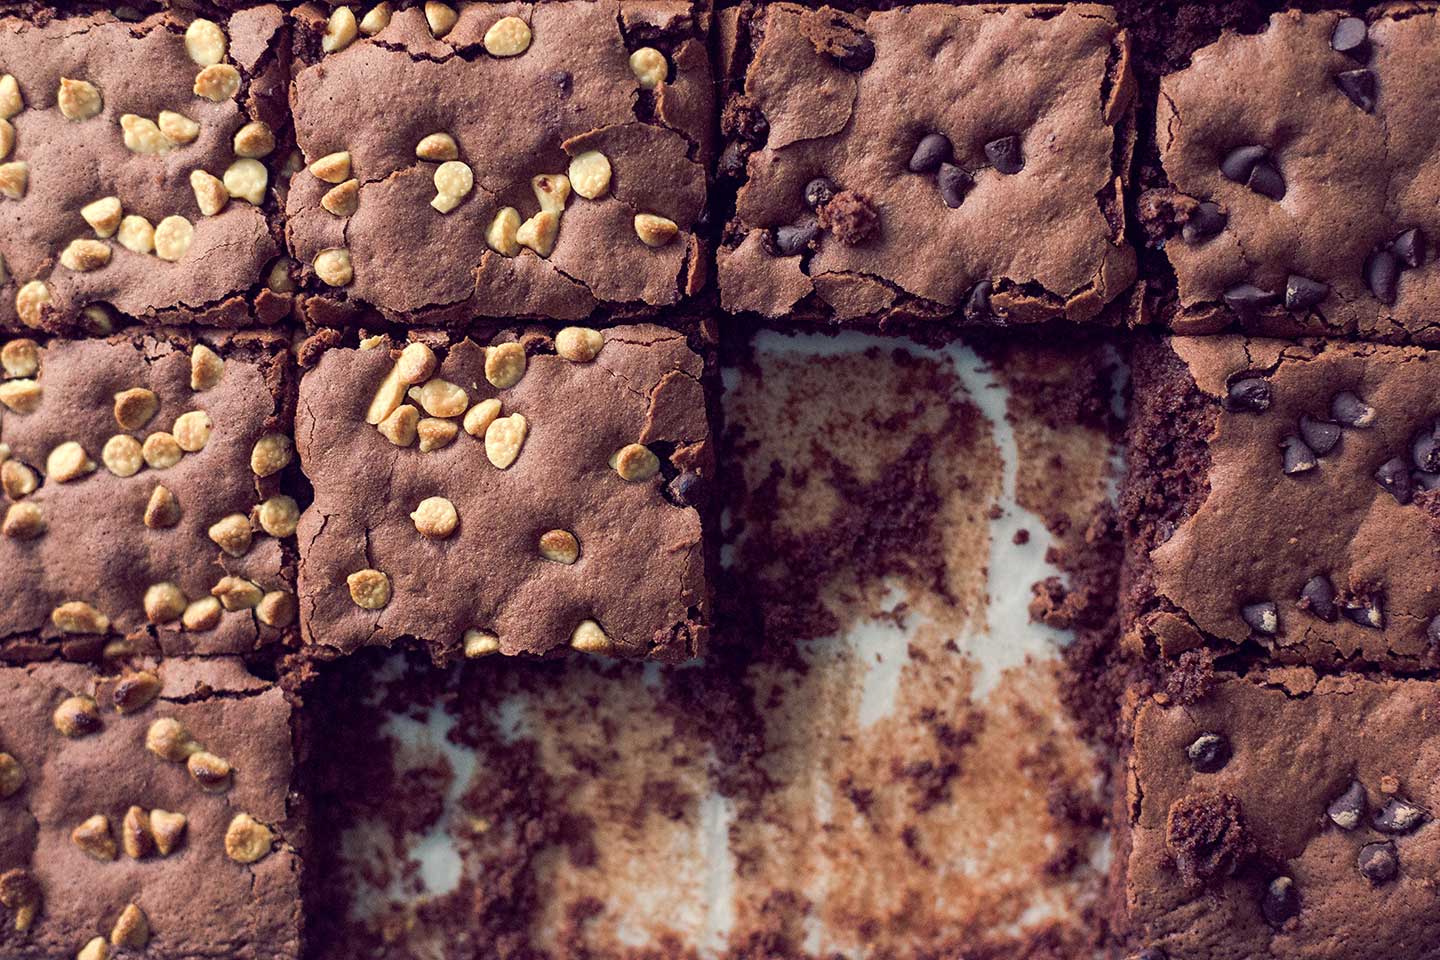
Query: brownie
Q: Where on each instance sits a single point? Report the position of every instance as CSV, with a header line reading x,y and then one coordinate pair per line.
x,y
500,160
136,161
151,809
1280,501
142,500
533,493
1284,816
928,161
1305,192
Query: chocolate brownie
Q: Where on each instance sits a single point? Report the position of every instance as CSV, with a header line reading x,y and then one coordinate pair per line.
x,y
1305,192
500,159
1280,500
136,161
513,497
927,161
150,812
142,500
1284,816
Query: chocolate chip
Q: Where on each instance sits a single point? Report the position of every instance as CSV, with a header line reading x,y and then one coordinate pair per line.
x,y
1296,456
1425,449
1005,155
1319,435
977,304
1261,617
1411,247
1265,180
1208,753
1365,611
1240,162
1359,86
1350,411
1351,37
932,150
1206,220
732,160
819,191
1399,816
954,183
1302,293
796,237
1248,393
1382,274
1246,299
1281,901
1378,862
1318,597
859,53
685,489
1346,810
1394,476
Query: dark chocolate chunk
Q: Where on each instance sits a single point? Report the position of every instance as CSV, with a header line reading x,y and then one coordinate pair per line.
x,y
1378,862
1281,901
1425,449
1318,597
1350,411
1261,617
932,150
1240,162
1411,247
1319,435
1005,154
1248,393
732,160
1265,180
1208,753
1399,816
1351,37
796,237
1394,476
954,183
1346,810
1382,275
819,191
1296,456
1302,293
857,55
1365,611
1359,86
1206,220
977,304
1246,299
685,489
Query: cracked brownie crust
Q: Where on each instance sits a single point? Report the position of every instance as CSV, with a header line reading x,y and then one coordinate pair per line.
x,y
511,498
142,501
1284,816
164,857
1280,498
926,161
1331,234
522,161
136,165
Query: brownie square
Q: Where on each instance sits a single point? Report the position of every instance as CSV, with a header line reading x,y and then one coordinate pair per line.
x,y
512,498
1306,191
1280,501
505,160
927,162
136,165
1284,816
142,501
92,844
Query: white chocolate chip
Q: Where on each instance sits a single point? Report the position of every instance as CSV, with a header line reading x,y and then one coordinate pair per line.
x,y
76,616
333,267
254,140
635,462
588,637
277,609
30,302
438,147
271,454
401,426
103,215
539,232
435,433
579,344
164,603
17,480
649,67
416,364
177,128
370,589
217,82
141,135
122,455
247,840
206,368
278,516
161,451
136,234
500,235
479,417
590,174
78,99
552,192
507,37
96,321
192,430
441,17
205,42
340,30
14,179
435,518
11,102
210,193
237,593
172,237
162,510
204,614
453,182
388,396
7,138
83,256
333,167
232,534
655,231
342,200
440,398
377,19
278,278
20,396
559,546
68,462
23,521
505,365
478,643
504,438
20,358
247,179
